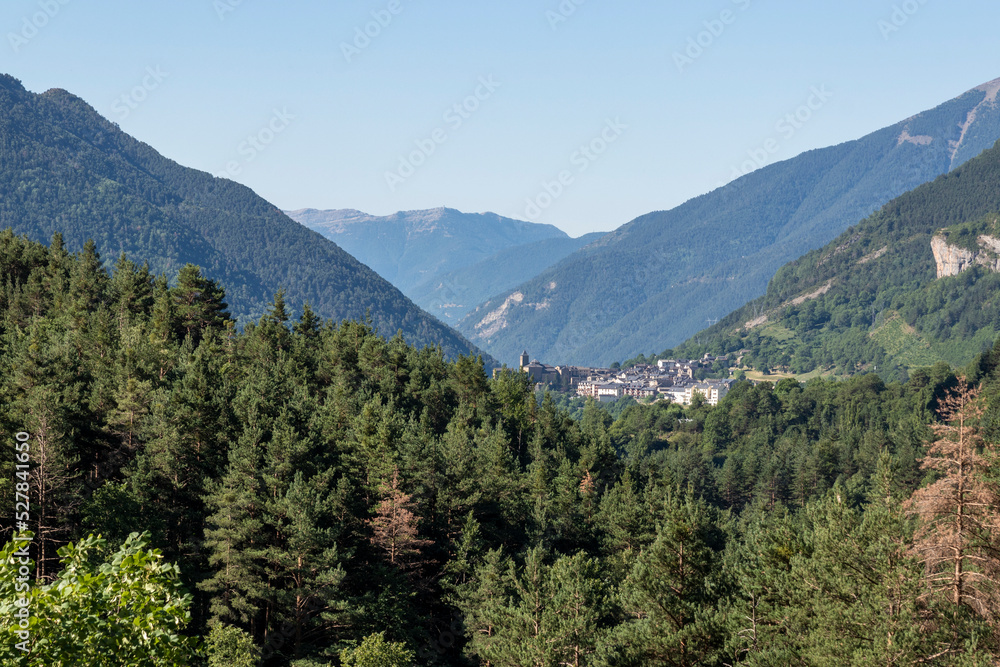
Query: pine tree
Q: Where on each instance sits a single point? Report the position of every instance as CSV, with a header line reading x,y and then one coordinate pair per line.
x,y
395,526
131,290
272,326
578,612
309,323
87,283
305,563
234,538
484,601
960,512
626,525
671,594
184,441
199,303
524,640
163,313
41,391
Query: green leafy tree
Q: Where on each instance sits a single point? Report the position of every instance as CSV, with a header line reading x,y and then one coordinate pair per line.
x,y
228,646
375,651
131,609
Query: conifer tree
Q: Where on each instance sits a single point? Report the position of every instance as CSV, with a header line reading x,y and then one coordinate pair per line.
x,y
395,527
578,614
484,603
185,437
87,283
625,524
670,595
131,290
163,313
199,303
41,392
960,512
234,538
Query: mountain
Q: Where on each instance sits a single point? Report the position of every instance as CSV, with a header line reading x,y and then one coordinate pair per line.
x,y
445,260
656,280
64,168
453,295
411,247
913,284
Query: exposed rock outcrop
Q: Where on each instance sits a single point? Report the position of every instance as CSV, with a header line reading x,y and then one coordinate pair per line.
x,y
952,260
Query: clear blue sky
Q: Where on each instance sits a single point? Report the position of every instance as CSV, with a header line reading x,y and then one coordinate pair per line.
x,y
225,66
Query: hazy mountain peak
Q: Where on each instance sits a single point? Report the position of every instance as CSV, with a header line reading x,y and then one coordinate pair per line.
x,y
10,83
991,88
410,248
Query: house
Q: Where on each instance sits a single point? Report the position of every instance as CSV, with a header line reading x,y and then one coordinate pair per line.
x,y
606,393
713,390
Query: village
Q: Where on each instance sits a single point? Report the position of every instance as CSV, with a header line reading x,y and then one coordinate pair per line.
x,y
668,380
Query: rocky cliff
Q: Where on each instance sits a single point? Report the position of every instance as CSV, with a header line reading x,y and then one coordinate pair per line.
x,y
952,260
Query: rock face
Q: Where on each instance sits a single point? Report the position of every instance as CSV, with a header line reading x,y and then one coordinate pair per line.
x,y
952,260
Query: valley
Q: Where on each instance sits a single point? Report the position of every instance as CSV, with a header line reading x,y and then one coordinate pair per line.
x,y
520,384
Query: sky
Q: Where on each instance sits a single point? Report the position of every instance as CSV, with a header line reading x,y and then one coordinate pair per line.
x,y
582,114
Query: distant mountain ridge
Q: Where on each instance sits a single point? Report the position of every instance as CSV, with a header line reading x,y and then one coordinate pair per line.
x,y
447,261
64,168
660,278
406,247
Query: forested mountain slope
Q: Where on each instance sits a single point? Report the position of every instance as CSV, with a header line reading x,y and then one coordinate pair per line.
x,y
311,494
453,295
64,168
656,280
873,296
